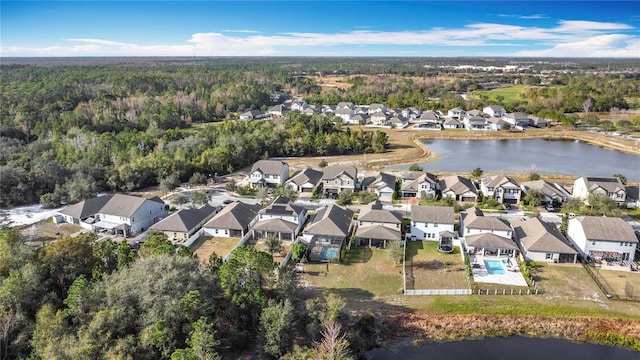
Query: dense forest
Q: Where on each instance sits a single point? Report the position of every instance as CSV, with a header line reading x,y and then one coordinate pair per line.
x,y
72,127
82,299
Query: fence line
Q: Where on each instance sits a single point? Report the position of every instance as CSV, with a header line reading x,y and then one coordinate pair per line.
x,y
439,292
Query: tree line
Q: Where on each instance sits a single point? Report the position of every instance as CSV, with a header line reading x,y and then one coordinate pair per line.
x,y
78,298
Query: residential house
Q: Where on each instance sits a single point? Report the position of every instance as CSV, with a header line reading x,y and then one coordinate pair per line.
x,y
328,109
429,116
474,112
459,188
375,108
234,220
495,123
337,178
299,106
488,235
542,241
456,113
610,187
603,238
185,225
398,122
330,225
305,181
379,118
494,111
429,222
362,110
411,113
551,193
452,124
280,218
346,105
268,173
309,111
517,119
539,122
345,114
117,214
414,183
633,196
278,110
473,123
382,185
502,188
377,226
253,115
361,119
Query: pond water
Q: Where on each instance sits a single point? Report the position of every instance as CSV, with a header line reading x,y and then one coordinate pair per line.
x,y
510,348
544,156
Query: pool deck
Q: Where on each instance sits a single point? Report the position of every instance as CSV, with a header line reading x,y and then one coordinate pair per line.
x,y
480,274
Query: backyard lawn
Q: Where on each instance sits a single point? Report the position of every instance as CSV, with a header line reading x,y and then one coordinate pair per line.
x,y
625,284
46,231
371,271
205,246
277,257
566,281
428,268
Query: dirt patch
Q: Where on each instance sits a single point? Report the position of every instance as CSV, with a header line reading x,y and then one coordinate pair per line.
x,y
205,246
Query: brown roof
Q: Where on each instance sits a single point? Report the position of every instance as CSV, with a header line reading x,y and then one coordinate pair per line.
x,y
184,220
474,219
378,232
235,216
275,225
602,228
544,187
499,181
332,220
488,240
371,214
433,214
272,167
333,171
307,175
458,184
537,235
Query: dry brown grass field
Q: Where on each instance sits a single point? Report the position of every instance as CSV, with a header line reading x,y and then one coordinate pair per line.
x,y
427,268
207,245
624,284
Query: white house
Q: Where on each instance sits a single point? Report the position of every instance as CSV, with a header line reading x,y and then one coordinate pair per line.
x,y
379,118
456,113
280,218
473,123
234,220
184,225
299,106
383,185
502,188
268,173
414,183
517,119
495,111
428,222
611,187
345,114
603,238
118,213
305,181
377,226
375,108
459,188
473,222
253,115
337,178
542,241
452,124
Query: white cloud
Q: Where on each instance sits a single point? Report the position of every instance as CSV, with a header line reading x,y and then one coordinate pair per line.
x,y
569,38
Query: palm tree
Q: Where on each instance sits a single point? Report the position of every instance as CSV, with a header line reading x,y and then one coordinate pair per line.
x,y
273,244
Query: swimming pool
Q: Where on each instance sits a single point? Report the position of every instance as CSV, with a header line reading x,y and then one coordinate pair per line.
x,y
328,253
494,267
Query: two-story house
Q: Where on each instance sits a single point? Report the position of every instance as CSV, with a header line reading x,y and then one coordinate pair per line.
x,y
517,119
473,123
415,183
377,226
305,181
610,187
117,214
502,188
337,178
429,222
456,113
280,218
494,111
382,185
603,238
345,114
268,173
489,235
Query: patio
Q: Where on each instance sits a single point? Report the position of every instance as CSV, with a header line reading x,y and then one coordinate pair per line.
x,y
511,276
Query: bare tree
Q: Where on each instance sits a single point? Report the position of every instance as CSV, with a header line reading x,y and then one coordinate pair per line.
x,y
586,105
8,320
334,345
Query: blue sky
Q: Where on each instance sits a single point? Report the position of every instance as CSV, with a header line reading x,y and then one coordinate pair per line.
x,y
320,28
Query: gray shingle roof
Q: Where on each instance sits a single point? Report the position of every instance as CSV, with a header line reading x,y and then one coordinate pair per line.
x,y
87,207
474,219
544,187
458,185
488,240
275,225
539,236
332,221
610,184
184,220
116,205
433,214
333,171
271,167
235,216
602,228
307,175
282,206
378,232
499,180
372,214
415,183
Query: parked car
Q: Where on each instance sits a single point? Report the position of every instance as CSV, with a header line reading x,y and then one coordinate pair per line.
x,y
550,208
228,201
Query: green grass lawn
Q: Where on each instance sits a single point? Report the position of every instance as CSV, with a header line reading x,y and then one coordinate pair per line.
x,y
510,93
428,268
